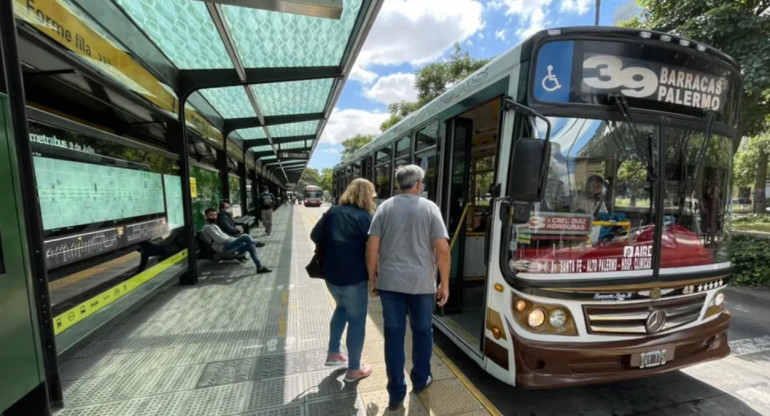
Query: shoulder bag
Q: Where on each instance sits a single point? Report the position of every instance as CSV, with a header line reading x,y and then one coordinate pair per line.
x,y
315,267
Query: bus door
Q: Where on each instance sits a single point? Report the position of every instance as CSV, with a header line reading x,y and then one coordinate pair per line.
x,y
470,162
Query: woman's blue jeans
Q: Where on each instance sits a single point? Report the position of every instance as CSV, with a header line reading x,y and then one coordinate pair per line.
x,y
352,303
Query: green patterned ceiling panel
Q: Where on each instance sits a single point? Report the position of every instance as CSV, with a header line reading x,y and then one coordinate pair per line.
x,y
271,39
182,29
268,158
252,133
264,148
296,97
293,145
230,102
294,129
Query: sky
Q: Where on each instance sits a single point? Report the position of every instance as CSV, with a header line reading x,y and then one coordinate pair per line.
x,y
409,34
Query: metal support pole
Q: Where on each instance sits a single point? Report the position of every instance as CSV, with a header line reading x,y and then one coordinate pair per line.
x,y
243,173
33,223
191,277
598,12
224,177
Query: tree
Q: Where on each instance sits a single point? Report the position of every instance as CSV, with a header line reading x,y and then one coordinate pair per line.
x,y
740,29
327,179
354,143
433,80
310,177
750,169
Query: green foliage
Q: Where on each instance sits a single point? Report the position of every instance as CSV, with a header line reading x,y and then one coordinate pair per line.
x,y
433,80
327,179
735,27
354,143
753,218
745,162
750,257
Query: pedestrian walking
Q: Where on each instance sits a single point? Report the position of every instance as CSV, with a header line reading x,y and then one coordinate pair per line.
x,y
267,203
407,242
343,232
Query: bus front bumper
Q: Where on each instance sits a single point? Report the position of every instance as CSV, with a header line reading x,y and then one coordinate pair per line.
x,y
548,365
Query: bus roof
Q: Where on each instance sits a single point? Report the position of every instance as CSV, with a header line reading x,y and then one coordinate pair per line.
x,y
499,65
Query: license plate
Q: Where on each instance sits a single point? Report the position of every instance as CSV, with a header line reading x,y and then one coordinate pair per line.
x,y
652,358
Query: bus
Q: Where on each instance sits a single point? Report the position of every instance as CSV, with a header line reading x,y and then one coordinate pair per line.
x,y
313,196
584,179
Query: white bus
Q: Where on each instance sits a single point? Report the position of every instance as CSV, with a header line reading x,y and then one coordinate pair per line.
x,y
584,177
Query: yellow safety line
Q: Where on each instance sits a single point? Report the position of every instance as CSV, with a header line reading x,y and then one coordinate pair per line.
x,y
488,406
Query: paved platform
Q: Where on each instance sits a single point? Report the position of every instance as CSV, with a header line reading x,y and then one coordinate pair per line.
x,y
245,344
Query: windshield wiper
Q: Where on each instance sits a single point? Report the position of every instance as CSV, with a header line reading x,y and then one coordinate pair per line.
x,y
623,108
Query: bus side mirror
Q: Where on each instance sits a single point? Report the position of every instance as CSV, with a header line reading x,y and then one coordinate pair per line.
x,y
529,170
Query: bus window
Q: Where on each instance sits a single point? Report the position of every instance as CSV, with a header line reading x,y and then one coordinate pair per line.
x,y
427,137
399,162
402,147
696,198
383,155
382,181
427,161
597,203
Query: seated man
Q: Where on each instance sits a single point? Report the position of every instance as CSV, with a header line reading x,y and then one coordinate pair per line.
x,y
225,244
590,201
226,224
174,243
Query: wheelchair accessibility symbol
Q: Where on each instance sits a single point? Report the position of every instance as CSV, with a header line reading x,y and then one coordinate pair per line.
x,y
550,83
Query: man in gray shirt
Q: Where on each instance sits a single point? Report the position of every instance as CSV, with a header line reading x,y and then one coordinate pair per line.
x,y
223,243
407,240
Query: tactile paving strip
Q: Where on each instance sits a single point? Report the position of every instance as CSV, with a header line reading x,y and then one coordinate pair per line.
x,y
167,380
163,404
323,384
292,410
272,366
276,391
350,405
226,372
220,400
107,409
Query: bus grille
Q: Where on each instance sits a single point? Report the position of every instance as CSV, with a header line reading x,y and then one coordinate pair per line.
x,y
631,318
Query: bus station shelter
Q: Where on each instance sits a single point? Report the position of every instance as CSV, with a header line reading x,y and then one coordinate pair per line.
x,y
254,81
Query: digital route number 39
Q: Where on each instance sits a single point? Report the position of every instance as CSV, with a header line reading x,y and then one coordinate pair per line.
x,y
636,81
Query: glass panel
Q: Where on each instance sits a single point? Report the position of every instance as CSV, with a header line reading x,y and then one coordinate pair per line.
x,y
427,137
272,39
696,198
429,163
252,133
293,145
263,148
235,195
208,193
182,29
597,215
382,181
383,155
402,146
305,128
230,102
269,158
296,97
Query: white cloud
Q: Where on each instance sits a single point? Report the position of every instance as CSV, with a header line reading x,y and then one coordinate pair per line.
x,y
331,150
361,75
575,6
469,43
500,34
344,124
480,35
393,88
419,31
532,14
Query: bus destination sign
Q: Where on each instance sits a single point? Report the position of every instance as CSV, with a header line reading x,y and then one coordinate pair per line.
x,y
581,72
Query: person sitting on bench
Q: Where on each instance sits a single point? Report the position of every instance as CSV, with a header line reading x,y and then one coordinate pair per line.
x,y
225,244
174,243
227,225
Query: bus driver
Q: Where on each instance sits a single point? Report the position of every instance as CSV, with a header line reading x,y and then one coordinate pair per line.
x,y
590,200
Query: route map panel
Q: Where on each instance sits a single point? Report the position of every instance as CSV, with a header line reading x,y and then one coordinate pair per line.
x,y
75,193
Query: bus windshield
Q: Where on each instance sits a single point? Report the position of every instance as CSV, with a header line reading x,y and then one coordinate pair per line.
x,y
599,211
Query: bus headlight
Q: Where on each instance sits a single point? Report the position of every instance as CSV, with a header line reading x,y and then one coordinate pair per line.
x,y
716,305
543,318
536,318
557,318
719,299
